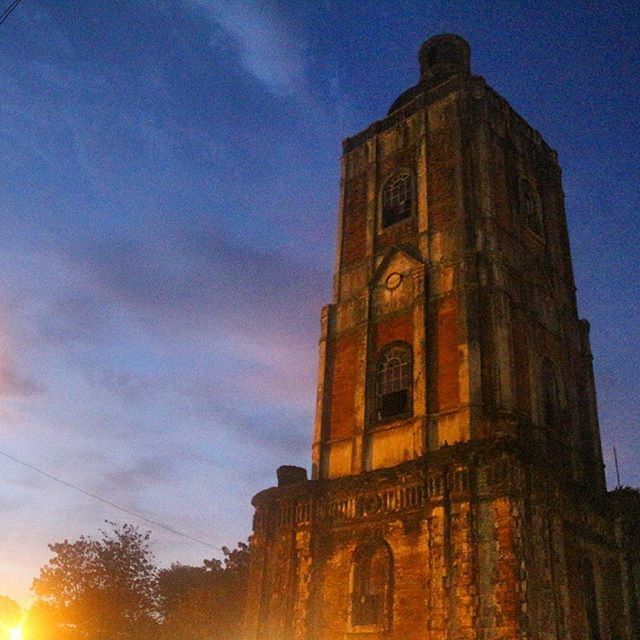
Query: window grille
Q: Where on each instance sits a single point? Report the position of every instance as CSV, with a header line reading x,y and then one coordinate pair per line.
x,y
397,199
393,383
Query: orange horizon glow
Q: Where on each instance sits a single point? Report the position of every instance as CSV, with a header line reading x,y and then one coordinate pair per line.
x,y
16,633
13,632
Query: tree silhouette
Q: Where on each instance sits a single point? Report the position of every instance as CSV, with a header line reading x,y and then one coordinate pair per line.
x,y
102,589
110,589
206,602
9,616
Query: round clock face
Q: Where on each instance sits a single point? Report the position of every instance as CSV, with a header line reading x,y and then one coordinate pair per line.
x,y
393,281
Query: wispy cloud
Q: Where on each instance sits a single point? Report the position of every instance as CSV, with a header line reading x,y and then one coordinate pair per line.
x,y
186,325
12,384
157,346
199,278
270,48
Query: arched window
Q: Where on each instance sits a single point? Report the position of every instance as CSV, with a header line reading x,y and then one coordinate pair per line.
x,y
394,382
550,394
397,199
529,210
372,586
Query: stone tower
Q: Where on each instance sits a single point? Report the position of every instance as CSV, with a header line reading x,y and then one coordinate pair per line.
x,y
458,488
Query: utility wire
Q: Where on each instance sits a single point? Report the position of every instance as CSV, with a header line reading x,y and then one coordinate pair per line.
x,y
3,16
113,505
7,12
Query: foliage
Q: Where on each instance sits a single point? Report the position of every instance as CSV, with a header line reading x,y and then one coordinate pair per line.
x,y
9,616
207,602
46,622
110,589
625,489
626,504
99,589
9,611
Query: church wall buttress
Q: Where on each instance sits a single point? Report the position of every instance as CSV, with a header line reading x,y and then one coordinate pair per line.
x,y
361,382
502,183
448,358
437,605
420,369
322,401
422,187
257,585
487,559
354,226
301,604
463,579
521,366
508,586
343,385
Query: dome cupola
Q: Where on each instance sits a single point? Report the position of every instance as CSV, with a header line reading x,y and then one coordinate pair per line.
x,y
443,56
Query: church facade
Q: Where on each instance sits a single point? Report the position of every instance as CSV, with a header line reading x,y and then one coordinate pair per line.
x,y
458,486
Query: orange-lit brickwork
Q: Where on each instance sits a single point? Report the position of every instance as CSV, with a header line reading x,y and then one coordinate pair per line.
x,y
457,488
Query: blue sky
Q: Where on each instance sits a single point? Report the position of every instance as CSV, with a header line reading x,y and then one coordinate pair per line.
x,y
167,219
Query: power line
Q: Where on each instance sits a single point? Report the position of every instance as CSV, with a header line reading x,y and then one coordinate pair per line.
x,y
113,505
7,12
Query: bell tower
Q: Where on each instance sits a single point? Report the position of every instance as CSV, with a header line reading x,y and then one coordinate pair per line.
x,y
454,316
457,483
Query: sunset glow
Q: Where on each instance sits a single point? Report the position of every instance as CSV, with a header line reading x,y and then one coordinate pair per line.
x,y
167,216
9,632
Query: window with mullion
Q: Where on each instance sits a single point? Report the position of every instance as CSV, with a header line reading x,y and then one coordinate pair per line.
x,y
394,383
397,199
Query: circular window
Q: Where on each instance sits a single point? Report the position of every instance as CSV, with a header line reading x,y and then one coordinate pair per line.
x,y
393,281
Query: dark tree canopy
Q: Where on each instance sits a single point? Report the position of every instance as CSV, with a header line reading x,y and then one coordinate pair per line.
x,y
110,589
100,589
9,612
206,602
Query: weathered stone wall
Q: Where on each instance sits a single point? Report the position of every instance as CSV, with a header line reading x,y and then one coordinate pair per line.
x,y
489,494
498,298
428,311
485,544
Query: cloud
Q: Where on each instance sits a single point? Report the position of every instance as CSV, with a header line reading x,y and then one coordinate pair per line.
x,y
245,321
175,366
199,281
270,48
176,327
12,384
73,316
142,472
